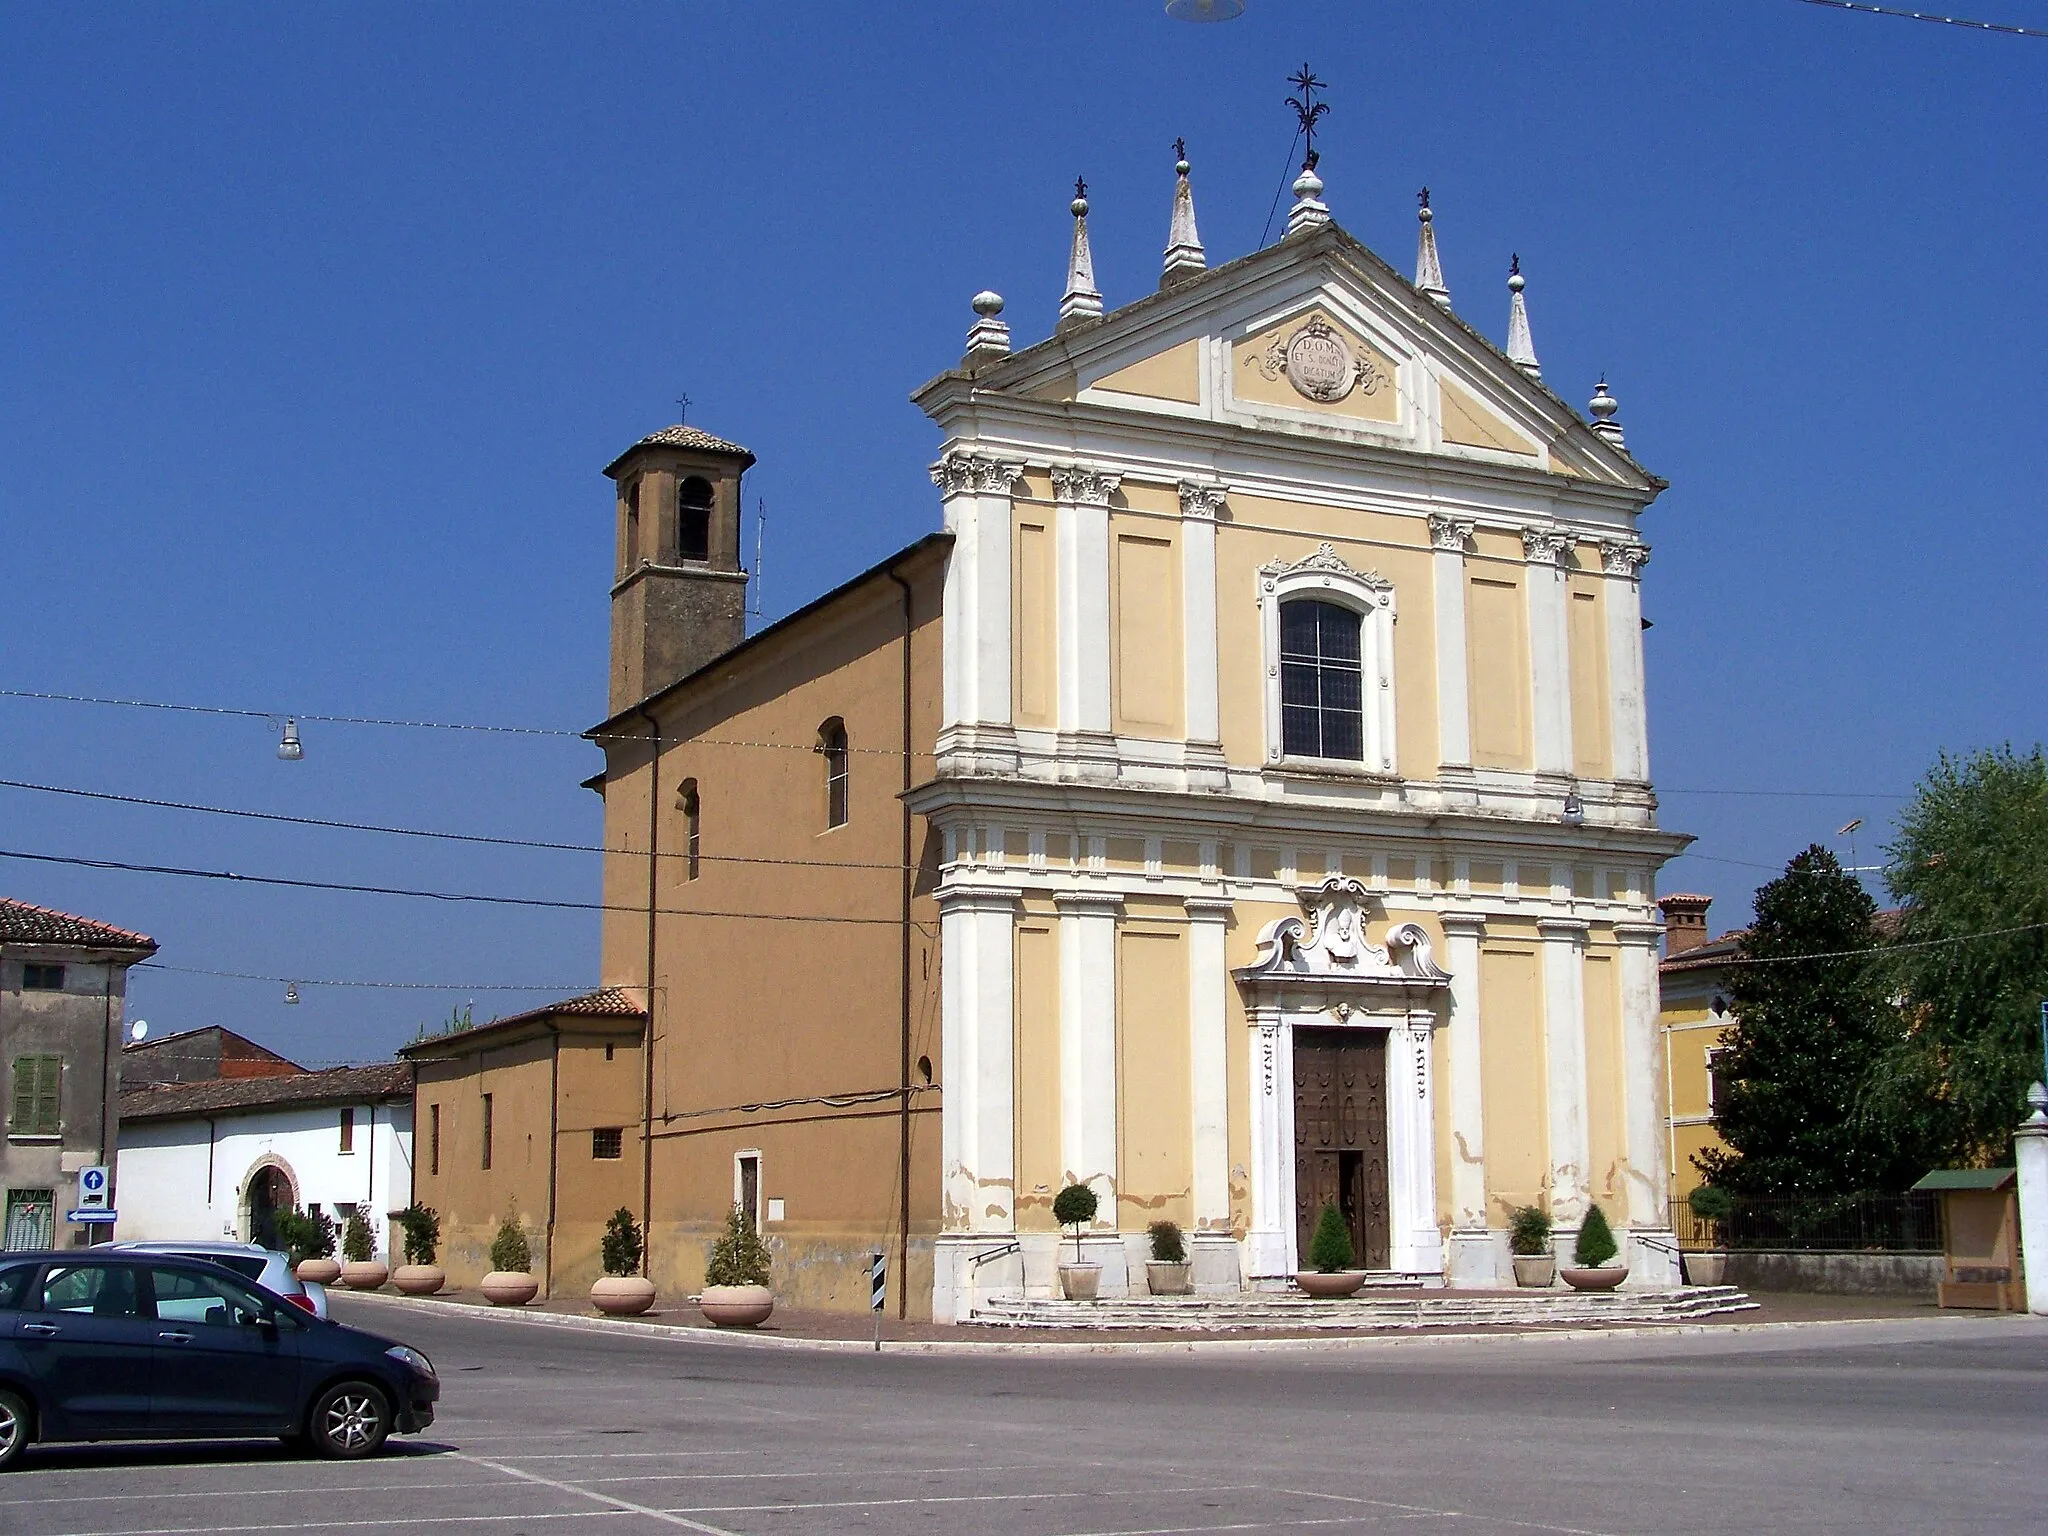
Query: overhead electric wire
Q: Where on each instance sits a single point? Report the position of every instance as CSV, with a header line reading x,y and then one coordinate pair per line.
x,y
1882,949
2004,27
572,988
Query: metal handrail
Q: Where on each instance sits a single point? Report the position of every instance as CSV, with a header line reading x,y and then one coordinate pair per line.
x,y
975,1261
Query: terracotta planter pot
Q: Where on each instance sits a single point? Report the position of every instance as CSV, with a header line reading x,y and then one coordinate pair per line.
x,y
1342,1282
1535,1271
1605,1278
319,1271
509,1287
736,1306
1080,1282
364,1275
623,1295
1163,1279
419,1279
1705,1268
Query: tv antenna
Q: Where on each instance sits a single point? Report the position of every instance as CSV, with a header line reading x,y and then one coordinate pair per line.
x,y
760,533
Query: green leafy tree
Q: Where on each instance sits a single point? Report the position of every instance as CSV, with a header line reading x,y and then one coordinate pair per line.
x,y
621,1243
1330,1249
1970,858
422,1227
1809,1035
739,1257
1074,1207
1529,1235
510,1251
357,1245
1595,1244
1168,1243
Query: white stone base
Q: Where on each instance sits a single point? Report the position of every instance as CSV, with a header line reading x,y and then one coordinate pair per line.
x,y
1217,1267
1652,1264
958,1283
1478,1259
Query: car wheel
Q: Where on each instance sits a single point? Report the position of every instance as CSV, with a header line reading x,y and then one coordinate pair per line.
x,y
14,1423
349,1419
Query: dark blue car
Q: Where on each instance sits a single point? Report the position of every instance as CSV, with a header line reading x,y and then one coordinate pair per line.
x,y
105,1345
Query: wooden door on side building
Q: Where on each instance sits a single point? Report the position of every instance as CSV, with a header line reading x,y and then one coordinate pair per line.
x,y
1340,1137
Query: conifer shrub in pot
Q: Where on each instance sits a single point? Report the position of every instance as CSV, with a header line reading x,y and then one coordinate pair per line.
x,y
1166,1272
1331,1257
1713,1206
419,1275
361,1269
1529,1246
308,1239
511,1282
1592,1267
736,1293
1074,1207
619,1291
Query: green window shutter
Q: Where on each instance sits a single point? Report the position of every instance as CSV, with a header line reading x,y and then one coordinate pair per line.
x,y
49,1096
37,1087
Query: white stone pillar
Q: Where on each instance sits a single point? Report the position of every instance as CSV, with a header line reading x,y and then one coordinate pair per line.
x,y
2030,1153
1269,1245
1214,1250
995,535
954,475
1199,505
1550,657
1646,1157
1083,554
1627,710
976,734
1417,1245
1472,1259
1088,1066
1449,537
977,1132
1564,1061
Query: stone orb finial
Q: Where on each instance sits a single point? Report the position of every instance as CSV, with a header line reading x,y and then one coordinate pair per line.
x,y
988,303
1603,404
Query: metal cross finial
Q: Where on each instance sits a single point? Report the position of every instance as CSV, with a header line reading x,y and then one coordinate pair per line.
x,y
1307,108
1514,264
1080,188
1180,149
1423,197
683,403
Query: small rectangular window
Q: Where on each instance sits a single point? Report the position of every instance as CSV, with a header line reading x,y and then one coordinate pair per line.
x,y
487,1131
348,1131
42,978
750,1187
38,1084
609,1047
608,1143
433,1138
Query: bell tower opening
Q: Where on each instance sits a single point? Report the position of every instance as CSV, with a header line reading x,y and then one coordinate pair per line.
x,y
678,592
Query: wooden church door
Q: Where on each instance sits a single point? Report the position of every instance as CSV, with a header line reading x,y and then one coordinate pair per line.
x,y
1340,1137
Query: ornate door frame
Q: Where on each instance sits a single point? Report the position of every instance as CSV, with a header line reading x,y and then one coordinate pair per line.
x,y
1321,973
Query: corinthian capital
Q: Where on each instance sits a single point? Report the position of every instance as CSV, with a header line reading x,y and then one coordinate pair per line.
x,y
1092,487
1197,500
1623,557
1544,547
954,474
1450,533
994,477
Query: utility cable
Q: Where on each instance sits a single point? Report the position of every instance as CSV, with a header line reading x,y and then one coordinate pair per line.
x,y
572,989
2006,28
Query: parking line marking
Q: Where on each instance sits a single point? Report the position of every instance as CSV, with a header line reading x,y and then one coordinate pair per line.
x,y
353,1525
668,1517
967,1498
1451,1514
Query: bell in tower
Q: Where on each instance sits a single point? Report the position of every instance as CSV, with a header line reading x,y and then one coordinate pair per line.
x,y
679,595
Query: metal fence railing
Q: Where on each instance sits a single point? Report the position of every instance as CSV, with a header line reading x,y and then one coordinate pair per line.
x,y
1908,1223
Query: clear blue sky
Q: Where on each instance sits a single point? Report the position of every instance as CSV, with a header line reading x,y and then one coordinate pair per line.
x,y
319,326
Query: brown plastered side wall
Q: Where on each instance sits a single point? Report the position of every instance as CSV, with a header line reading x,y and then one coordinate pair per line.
x,y
750,1011
472,1199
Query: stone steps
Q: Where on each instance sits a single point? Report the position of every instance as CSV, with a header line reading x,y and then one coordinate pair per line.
x,y
1433,1309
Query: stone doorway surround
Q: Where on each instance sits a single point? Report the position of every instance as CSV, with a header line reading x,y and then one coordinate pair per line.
x,y
1320,972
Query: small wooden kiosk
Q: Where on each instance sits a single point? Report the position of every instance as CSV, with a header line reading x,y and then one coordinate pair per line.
x,y
1980,1238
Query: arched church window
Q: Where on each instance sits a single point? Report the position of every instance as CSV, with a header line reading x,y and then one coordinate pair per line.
x,y
632,552
693,519
832,747
687,803
1322,697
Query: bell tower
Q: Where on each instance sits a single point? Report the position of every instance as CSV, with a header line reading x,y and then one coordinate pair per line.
x,y
679,594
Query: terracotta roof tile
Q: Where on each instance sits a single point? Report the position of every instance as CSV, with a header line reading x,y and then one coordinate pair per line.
x,y
336,1085
22,922
606,1002
680,436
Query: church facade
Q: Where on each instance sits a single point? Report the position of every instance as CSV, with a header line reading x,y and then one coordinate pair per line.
x,y
1240,806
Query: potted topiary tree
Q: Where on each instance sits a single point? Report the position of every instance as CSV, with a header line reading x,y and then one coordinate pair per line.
x,y
511,1282
1591,1268
1166,1272
1075,1207
308,1238
362,1271
1529,1245
736,1293
1713,1206
1330,1256
419,1275
619,1292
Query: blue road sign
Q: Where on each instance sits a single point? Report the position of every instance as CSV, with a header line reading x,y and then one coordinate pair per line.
x,y
98,1216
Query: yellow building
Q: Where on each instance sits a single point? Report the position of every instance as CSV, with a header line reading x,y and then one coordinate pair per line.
x,y
1241,804
1696,1013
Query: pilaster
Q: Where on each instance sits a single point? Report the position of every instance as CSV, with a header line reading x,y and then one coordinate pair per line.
x,y
1623,562
1646,1167
977,1123
1082,544
1209,1059
1199,505
976,733
1449,537
1088,1063
1564,1052
1550,669
1472,1260
1417,1246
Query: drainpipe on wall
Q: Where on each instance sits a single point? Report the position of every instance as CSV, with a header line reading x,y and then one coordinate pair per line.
x,y
647,1076
93,1234
370,1178
903,987
554,1143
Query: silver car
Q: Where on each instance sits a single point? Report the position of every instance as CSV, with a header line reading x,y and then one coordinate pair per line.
x,y
252,1261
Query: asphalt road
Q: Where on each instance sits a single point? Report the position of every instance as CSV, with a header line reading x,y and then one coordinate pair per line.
x,y
1931,1425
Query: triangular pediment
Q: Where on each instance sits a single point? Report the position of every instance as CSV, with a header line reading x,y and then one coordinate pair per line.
x,y
1317,337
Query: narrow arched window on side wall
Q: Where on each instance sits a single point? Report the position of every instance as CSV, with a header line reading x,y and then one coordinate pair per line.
x,y
693,519
1322,697
832,747
687,803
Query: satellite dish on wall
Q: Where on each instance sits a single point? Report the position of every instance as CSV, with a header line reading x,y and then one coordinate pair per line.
x,y
1205,10
138,1030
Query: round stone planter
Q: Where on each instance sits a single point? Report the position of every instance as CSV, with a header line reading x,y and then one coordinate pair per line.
x,y
1080,1282
509,1287
735,1306
1602,1279
419,1279
1535,1271
623,1295
1163,1279
1342,1282
364,1275
319,1271
1705,1268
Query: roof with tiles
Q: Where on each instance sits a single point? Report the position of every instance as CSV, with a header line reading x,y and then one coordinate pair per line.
x,y
23,922
336,1085
606,1002
681,436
